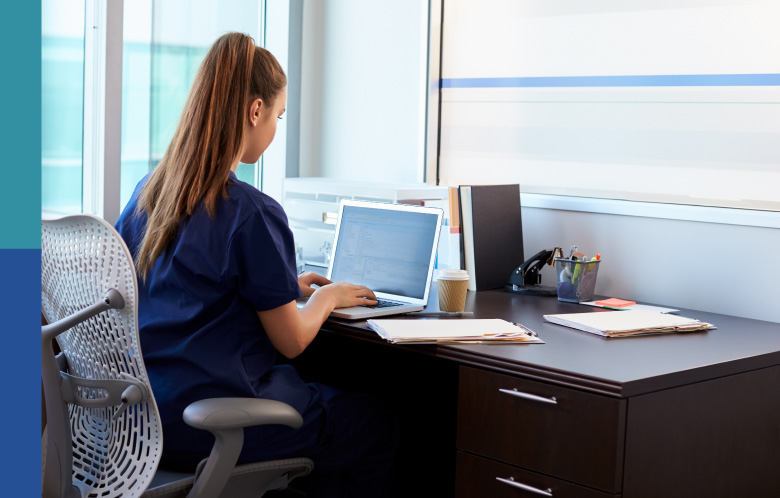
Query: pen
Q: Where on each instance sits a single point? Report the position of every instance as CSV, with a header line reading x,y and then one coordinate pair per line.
x,y
527,331
441,314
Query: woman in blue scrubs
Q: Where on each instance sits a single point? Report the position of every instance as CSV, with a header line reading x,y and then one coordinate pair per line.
x,y
218,284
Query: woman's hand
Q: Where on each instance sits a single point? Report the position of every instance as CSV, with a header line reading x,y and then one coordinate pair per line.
x,y
344,294
306,280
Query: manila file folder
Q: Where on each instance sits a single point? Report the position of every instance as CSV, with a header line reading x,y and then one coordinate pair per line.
x,y
628,323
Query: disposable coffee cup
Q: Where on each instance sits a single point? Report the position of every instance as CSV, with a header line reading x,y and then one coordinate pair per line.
x,y
453,285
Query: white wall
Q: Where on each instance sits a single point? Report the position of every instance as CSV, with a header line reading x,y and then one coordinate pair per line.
x,y
363,89
685,264
312,94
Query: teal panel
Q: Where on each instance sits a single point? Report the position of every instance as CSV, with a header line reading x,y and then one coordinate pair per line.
x,y
20,202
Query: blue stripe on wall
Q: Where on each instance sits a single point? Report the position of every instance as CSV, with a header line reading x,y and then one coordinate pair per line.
x,y
616,81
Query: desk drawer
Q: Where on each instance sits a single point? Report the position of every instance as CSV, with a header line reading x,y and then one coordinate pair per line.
x,y
478,477
578,437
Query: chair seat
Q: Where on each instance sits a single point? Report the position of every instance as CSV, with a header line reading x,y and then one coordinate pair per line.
x,y
164,479
244,481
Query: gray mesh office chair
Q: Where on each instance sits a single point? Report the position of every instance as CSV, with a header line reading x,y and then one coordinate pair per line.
x,y
103,437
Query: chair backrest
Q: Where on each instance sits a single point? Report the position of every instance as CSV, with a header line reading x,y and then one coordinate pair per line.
x,y
82,257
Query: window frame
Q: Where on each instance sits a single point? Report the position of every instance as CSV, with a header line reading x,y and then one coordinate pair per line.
x,y
102,108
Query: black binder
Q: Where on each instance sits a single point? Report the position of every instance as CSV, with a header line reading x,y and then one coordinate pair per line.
x,y
492,234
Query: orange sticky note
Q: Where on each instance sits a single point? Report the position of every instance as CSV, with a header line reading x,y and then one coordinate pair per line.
x,y
617,303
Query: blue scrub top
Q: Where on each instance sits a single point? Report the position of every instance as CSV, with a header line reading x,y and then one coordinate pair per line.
x,y
197,309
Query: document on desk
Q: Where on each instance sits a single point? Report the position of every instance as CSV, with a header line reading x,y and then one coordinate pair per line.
x,y
476,331
628,323
647,307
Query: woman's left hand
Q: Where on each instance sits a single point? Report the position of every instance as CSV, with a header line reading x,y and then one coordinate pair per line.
x,y
306,280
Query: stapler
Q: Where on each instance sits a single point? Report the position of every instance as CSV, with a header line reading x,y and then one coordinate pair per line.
x,y
527,280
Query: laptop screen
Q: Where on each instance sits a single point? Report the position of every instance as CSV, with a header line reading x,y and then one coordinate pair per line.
x,y
389,250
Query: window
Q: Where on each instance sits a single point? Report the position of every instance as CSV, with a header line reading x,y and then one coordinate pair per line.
x,y
137,136
62,102
163,43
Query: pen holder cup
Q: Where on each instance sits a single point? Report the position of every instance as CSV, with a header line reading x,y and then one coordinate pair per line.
x,y
576,279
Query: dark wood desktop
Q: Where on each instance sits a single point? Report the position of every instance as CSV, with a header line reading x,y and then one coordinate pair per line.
x,y
686,415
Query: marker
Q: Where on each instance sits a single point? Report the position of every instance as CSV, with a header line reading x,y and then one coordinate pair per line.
x,y
576,272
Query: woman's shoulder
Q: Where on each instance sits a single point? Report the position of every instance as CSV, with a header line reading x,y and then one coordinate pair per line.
x,y
246,201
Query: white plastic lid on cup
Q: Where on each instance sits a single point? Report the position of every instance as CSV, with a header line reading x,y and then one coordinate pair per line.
x,y
450,274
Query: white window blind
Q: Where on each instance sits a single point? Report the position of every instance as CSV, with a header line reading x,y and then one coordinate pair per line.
x,y
663,101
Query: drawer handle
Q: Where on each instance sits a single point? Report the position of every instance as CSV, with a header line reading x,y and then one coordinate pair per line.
x,y
511,481
532,397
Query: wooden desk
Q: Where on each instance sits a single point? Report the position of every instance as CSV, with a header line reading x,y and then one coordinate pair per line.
x,y
686,415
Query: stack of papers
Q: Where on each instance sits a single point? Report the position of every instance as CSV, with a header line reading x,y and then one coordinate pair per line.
x,y
417,331
628,323
660,309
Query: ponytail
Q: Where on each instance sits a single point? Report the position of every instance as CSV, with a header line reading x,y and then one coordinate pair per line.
x,y
208,139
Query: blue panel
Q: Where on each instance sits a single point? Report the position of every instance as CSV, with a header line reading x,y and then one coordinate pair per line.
x,y
20,416
616,81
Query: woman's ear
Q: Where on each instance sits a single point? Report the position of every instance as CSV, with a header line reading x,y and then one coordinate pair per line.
x,y
255,109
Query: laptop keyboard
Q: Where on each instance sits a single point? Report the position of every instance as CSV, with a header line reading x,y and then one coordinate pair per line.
x,y
384,303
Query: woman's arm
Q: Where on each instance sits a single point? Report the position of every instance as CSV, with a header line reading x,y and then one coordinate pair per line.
x,y
291,330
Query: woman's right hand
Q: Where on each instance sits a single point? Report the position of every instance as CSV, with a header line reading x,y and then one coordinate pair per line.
x,y
344,294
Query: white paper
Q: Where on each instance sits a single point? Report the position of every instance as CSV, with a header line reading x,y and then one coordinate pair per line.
x,y
615,323
425,330
647,307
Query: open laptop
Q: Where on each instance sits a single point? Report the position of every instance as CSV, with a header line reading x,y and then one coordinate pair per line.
x,y
389,248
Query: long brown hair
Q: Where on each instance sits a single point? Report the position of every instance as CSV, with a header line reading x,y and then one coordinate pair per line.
x,y
208,139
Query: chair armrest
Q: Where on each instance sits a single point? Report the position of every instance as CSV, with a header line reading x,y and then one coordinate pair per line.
x,y
226,418
215,414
